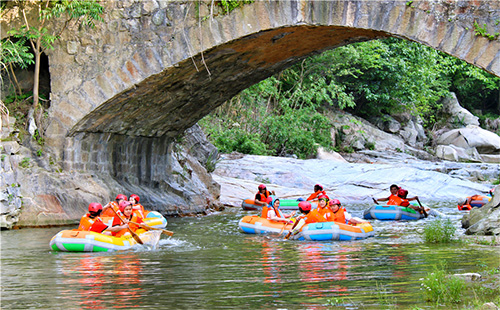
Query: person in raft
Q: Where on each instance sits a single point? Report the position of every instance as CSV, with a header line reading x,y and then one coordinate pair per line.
x,y
262,195
306,217
274,213
93,222
403,193
318,191
113,205
136,206
128,217
339,214
393,199
323,204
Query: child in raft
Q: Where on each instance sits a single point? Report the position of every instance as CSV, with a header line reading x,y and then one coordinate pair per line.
x,y
339,214
306,217
136,206
262,196
130,219
393,199
274,213
323,204
92,221
113,205
318,192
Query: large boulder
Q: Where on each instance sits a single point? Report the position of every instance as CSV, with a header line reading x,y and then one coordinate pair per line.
x,y
484,220
458,115
454,153
486,142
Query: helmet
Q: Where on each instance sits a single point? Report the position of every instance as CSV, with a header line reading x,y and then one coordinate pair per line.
x,y
262,186
95,207
402,193
123,205
135,197
121,196
319,186
334,202
325,197
304,206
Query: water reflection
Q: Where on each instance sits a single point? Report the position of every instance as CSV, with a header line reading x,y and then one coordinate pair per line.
x,y
101,278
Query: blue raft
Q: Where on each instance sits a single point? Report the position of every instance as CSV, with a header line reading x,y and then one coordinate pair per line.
x,y
391,213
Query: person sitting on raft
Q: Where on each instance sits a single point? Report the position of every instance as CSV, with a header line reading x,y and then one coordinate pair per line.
x,y
93,222
274,213
262,196
339,214
393,199
323,204
128,217
318,191
113,205
136,206
405,202
306,217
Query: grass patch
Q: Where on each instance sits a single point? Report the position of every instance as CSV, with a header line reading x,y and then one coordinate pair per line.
x,y
439,287
439,231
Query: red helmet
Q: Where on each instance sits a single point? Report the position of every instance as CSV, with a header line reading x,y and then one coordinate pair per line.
x,y
334,202
324,197
402,193
269,199
121,196
262,186
95,207
135,197
304,206
123,205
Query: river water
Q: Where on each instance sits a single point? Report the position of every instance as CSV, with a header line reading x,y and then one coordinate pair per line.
x,y
209,264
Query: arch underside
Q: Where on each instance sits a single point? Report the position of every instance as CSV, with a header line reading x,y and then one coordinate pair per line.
x,y
167,103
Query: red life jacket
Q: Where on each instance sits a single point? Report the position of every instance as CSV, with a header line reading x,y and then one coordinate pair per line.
x,y
316,195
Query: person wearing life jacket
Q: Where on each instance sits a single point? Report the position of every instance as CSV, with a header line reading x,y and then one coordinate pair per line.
x,y
323,204
393,199
262,195
306,217
274,213
93,222
136,206
107,210
339,214
318,191
474,201
128,216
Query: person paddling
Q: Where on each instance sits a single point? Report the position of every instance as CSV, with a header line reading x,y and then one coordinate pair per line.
x,y
393,199
306,217
113,205
93,222
128,216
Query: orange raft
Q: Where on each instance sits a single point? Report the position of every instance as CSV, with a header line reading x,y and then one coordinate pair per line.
x,y
253,224
477,201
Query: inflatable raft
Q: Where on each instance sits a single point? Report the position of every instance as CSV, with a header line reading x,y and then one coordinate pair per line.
x,y
253,224
89,241
477,202
380,212
285,204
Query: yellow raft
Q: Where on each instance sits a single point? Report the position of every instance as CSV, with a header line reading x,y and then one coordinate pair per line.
x,y
89,241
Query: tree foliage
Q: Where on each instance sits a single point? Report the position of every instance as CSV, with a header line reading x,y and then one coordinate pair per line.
x,y
285,114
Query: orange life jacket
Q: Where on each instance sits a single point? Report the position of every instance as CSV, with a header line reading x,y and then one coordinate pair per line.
x,y
266,195
338,216
88,224
139,209
316,195
394,200
314,217
263,214
134,218
108,212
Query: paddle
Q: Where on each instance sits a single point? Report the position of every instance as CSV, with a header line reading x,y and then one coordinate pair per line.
x,y
166,232
136,237
375,201
423,209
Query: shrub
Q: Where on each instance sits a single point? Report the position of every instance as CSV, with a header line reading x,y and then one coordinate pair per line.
x,y
440,287
439,231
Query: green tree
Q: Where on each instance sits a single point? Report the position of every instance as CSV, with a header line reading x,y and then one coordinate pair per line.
x,y
41,38
14,54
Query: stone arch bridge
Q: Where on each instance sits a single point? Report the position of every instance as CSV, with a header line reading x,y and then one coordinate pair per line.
x,y
122,92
